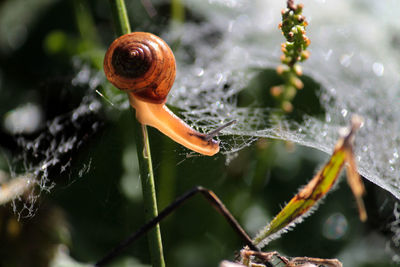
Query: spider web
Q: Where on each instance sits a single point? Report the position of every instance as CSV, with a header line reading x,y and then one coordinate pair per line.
x,y
47,155
353,56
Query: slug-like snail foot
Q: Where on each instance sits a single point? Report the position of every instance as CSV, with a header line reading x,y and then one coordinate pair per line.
x,y
215,132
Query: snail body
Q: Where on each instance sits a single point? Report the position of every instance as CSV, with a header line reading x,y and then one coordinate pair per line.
x,y
143,65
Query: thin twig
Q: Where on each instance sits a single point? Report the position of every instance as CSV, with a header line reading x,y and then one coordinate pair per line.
x,y
207,194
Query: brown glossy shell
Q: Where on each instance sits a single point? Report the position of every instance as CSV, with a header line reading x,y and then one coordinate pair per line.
x,y
142,63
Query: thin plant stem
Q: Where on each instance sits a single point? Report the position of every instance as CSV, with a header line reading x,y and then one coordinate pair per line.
x,y
144,155
149,193
177,11
118,9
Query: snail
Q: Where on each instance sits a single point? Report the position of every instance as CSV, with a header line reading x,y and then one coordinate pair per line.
x,y
143,65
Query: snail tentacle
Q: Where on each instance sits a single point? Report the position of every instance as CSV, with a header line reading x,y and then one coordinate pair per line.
x,y
216,132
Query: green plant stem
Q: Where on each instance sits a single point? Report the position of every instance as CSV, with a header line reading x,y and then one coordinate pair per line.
x,y
177,11
120,16
149,193
144,155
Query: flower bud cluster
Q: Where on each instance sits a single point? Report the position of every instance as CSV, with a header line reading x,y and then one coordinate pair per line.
x,y
293,27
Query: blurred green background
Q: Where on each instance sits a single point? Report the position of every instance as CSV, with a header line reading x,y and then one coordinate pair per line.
x,y
51,56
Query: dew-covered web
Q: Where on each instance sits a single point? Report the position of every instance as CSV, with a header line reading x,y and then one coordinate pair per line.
x,y
47,155
354,56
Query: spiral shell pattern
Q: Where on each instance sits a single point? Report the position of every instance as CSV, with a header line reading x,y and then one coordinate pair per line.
x,y
141,63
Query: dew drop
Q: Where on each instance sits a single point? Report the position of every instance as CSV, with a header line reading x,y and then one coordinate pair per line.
x,y
328,55
230,26
200,72
219,78
344,112
25,119
378,69
345,60
44,166
335,227
94,82
82,77
95,106
219,105
328,118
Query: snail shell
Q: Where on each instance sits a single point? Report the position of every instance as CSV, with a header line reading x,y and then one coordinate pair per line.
x,y
143,64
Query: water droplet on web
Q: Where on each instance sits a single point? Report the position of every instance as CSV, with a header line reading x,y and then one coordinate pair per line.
x,y
44,166
344,112
75,116
328,55
95,106
82,77
345,60
378,69
230,27
24,119
219,105
335,227
95,81
328,118
219,77
200,72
